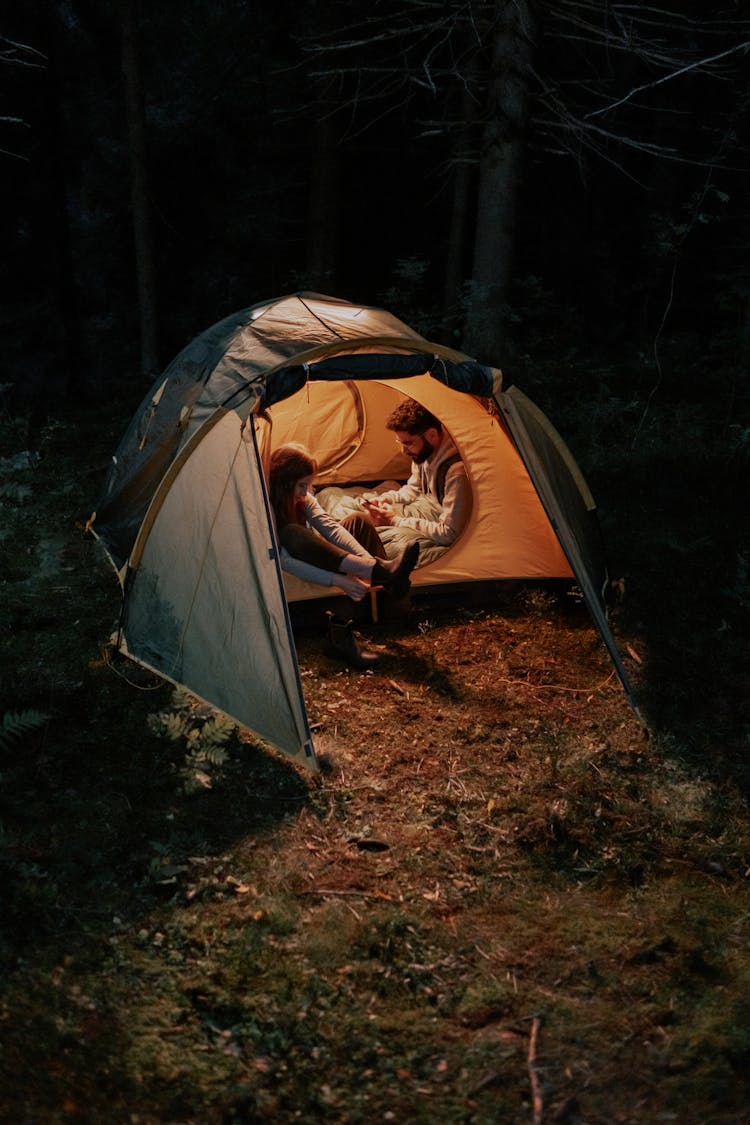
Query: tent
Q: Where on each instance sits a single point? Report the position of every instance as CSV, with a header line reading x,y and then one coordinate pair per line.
x,y
185,519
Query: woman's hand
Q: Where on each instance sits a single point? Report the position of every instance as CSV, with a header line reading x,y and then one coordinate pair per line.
x,y
353,587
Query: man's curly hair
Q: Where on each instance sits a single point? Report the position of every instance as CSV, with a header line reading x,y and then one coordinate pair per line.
x,y
412,418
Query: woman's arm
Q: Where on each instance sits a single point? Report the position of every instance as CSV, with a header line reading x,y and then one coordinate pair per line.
x,y
351,586
331,529
304,570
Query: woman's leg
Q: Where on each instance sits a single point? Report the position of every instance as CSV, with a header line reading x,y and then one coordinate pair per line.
x,y
305,544
391,573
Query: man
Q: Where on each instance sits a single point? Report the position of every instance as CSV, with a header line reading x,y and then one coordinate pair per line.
x,y
437,471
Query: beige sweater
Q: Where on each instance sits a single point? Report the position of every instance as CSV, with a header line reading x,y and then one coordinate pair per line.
x,y
456,503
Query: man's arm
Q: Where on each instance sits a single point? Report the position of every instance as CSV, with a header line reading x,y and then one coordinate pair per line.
x,y
454,514
407,493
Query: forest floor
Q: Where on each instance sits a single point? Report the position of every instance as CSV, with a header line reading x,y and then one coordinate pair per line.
x,y
504,899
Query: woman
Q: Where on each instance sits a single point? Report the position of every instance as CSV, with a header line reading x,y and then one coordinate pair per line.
x,y
316,547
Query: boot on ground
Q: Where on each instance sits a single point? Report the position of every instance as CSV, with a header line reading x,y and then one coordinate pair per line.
x,y
343,644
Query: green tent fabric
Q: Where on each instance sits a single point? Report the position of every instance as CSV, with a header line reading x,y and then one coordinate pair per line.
x,y
184,513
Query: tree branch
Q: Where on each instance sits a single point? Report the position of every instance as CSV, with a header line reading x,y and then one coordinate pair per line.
x,y
700,63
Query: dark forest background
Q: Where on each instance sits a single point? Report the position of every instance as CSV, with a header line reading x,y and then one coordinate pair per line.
x,y
559,189
547,186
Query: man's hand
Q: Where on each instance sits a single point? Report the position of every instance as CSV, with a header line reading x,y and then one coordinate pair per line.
x,y
380,512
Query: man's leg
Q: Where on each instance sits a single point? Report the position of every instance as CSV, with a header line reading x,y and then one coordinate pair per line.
x,y
364,531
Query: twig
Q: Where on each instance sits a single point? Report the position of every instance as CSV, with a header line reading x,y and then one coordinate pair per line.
x,y
557,687
536,1089
379,896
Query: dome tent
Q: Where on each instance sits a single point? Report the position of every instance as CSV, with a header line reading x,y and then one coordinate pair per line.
x,y
185,518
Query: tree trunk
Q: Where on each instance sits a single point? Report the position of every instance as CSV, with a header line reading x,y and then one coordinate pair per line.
x,y
324,209
141,204
464,178
499,181
76,381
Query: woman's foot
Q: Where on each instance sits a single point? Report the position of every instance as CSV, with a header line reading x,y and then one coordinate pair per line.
x,y
394,573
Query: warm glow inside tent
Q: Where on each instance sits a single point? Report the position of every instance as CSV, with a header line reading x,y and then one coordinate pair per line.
x,y
185,519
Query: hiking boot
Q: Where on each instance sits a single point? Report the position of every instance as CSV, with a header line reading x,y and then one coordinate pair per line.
x,y
393,574
343,644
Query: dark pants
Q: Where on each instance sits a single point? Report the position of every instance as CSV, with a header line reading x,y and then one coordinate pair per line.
x,y
305,544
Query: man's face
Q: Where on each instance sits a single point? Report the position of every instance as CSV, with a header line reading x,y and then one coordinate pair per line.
x,y
418,446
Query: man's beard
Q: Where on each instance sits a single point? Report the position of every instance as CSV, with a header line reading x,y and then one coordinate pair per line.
x,y
424,453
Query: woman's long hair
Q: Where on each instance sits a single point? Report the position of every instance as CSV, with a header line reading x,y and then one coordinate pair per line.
x,y
289,464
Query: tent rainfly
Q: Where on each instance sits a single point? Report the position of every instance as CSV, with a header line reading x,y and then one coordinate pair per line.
x,y
184,515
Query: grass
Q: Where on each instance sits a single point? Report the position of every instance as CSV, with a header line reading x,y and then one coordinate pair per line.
x,y
500,880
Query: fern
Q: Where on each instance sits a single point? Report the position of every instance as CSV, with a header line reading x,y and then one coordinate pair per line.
x,y
202,733
214,755
217,730
182,700
170,726
18,723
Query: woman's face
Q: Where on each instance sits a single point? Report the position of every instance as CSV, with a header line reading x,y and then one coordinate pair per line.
x,y
302,487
